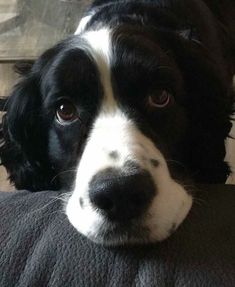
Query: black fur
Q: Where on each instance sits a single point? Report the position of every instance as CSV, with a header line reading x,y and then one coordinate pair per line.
x,y
194,40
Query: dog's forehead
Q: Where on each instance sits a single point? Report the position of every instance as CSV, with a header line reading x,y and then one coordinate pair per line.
x,y
121,44
116,52
98,46
110,64
130,60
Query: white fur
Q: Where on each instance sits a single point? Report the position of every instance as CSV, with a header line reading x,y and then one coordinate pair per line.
x,y
114,131
98,45
82,25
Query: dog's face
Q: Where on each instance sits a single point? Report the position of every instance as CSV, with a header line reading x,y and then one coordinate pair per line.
x,y
115,118
108,114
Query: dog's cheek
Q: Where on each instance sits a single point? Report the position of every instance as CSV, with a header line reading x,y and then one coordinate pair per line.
x,y
63,151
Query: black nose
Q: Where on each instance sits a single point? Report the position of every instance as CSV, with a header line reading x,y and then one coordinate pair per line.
x,y
121,197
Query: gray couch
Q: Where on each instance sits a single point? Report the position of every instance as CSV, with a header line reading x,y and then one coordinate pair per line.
x,y
39,247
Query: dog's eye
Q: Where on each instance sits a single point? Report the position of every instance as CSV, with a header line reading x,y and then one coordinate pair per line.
x,y
66,112
160,99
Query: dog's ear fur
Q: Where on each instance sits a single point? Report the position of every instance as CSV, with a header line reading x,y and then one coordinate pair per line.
x,y
23,149
209,106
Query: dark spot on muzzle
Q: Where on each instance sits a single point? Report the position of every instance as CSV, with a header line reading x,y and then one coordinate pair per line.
x,y
114,155
81,202
154,162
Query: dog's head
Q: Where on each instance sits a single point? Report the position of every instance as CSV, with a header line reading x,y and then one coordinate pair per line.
x,y
116,115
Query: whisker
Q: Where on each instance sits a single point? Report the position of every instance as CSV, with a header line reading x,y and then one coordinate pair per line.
x,y
199,201
164,67
62,172
53,212
63,198
175,161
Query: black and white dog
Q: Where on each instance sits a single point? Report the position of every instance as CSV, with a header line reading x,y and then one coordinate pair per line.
x,y
124,112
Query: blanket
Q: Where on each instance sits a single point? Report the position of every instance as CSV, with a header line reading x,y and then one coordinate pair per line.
x,y
39,247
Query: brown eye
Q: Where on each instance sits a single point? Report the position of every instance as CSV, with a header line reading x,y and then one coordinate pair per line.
x,y
66,112
160,99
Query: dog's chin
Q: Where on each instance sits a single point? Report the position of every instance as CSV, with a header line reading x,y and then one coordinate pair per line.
x,y
161,219
116,234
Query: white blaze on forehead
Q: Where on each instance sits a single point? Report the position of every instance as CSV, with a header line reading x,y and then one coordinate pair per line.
x,y
98,45
82,25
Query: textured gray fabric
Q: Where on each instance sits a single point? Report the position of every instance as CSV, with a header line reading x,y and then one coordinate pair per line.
x,y
39,247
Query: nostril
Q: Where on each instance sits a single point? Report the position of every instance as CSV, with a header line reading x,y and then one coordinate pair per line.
x,y
102,201
137,201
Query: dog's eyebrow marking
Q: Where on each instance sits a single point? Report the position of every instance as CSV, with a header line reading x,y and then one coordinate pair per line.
x,y
99,47
81,202
114,154
154,162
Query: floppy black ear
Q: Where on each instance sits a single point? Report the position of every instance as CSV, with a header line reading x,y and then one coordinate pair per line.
x,y
24,140
23,149
209,104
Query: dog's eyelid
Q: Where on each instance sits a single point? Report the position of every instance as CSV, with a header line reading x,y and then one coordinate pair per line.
x,y
67,123
63,122
61,99
160,98
66,111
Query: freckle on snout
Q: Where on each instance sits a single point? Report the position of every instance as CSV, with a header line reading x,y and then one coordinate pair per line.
x,y
114,155
81,202
154,162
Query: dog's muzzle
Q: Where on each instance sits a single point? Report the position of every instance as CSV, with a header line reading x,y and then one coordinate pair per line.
x,y
124,192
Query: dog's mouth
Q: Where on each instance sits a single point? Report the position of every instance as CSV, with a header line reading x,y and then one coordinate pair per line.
x,y
133,232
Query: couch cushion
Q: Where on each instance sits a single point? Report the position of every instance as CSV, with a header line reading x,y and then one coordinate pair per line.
x,y
39,247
